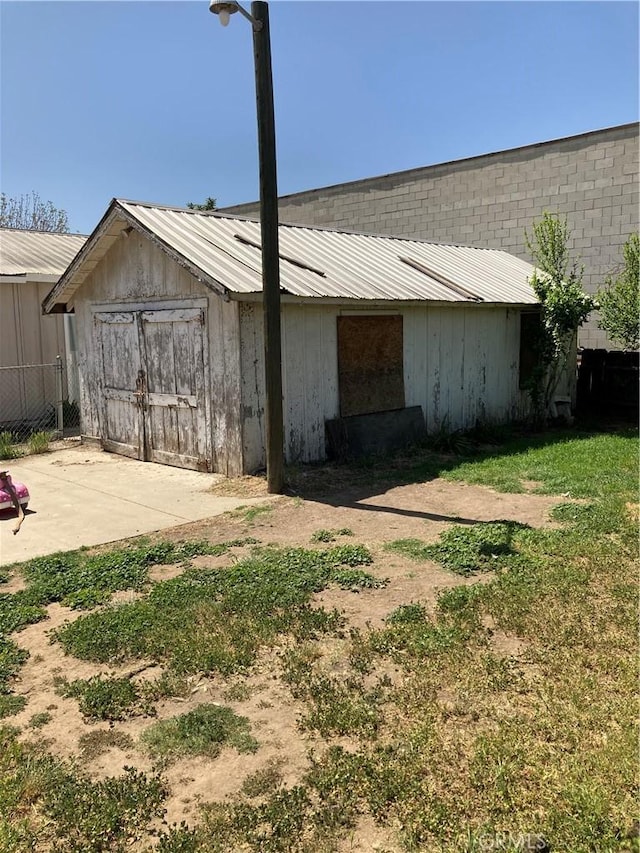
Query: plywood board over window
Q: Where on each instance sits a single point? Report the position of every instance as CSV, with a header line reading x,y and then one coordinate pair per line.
x,y
370,364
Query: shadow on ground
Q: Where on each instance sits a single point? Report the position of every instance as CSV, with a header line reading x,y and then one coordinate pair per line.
x,y
348,484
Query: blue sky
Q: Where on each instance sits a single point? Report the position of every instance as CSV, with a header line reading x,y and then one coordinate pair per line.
x,y
155,100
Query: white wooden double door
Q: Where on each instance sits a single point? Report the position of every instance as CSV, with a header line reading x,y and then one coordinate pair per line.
x,y
155,389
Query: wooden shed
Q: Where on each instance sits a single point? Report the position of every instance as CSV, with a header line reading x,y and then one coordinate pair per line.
x,y
30,263
170,347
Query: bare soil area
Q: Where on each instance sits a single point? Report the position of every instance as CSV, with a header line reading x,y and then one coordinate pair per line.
x,y
419,511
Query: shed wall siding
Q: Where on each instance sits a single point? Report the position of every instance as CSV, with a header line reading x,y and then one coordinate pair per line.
x,y
460,365
28,337
137,274
489,200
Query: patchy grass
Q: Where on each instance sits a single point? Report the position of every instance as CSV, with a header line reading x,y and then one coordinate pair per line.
x,y
462,549
37,721
249,513
501,716
101,698
74,813
324,535
81,580
216,620
95,743
11,659
263,781
203,731
591,467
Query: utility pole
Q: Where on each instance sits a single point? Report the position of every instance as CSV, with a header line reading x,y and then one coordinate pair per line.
x,y
270,255
274,438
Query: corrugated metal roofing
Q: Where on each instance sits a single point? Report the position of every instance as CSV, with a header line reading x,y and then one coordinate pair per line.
x,y
37,252
315,262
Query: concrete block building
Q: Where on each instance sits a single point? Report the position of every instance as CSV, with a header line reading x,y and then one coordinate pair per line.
x,y
489,200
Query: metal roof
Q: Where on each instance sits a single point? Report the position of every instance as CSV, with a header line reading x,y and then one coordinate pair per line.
x,y
37,252
223,251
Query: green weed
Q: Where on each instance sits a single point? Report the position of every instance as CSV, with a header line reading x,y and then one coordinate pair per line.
x,y
11,659
203,731
91,817
7,447
465,550
42,797
249,514
19,610
263,781
39,441
338,706
79,580
10,705
95,743
101,698
217,619
408,614
37,721
324,535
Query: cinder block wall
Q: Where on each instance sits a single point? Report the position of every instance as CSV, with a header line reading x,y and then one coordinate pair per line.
x,y
490,200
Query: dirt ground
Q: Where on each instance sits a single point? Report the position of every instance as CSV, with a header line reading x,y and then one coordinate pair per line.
x,y
411,511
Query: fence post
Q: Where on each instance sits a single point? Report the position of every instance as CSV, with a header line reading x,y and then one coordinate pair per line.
x,y
59,392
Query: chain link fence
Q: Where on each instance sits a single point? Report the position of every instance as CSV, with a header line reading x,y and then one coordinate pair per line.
x,y
34,398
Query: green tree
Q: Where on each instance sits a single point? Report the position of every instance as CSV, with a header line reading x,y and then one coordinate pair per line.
x,y
209,204
557,283
29,212
619,301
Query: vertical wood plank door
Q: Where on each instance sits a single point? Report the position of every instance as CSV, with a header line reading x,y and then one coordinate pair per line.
x,y
122,412
172,345
154,370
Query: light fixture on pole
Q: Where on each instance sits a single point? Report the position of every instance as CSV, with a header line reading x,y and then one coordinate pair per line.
x,y
259,19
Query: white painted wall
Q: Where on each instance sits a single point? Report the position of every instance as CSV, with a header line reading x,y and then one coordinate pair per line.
x,y
460,365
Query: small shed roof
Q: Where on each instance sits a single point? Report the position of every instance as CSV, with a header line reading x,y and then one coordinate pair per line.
x,y
224,253
37,253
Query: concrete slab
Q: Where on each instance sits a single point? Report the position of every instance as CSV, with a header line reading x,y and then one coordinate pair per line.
x,y
84,496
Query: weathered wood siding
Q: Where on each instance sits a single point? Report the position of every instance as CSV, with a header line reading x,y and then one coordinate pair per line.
x,y
460,365
135,275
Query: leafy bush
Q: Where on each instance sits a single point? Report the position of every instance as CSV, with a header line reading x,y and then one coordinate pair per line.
x,y
619,301
564,307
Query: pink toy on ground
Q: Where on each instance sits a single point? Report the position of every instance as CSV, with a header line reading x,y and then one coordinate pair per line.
x,y
14,495
22,493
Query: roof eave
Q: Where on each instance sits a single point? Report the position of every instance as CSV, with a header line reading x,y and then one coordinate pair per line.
x,y
389,304
72,279
23,277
